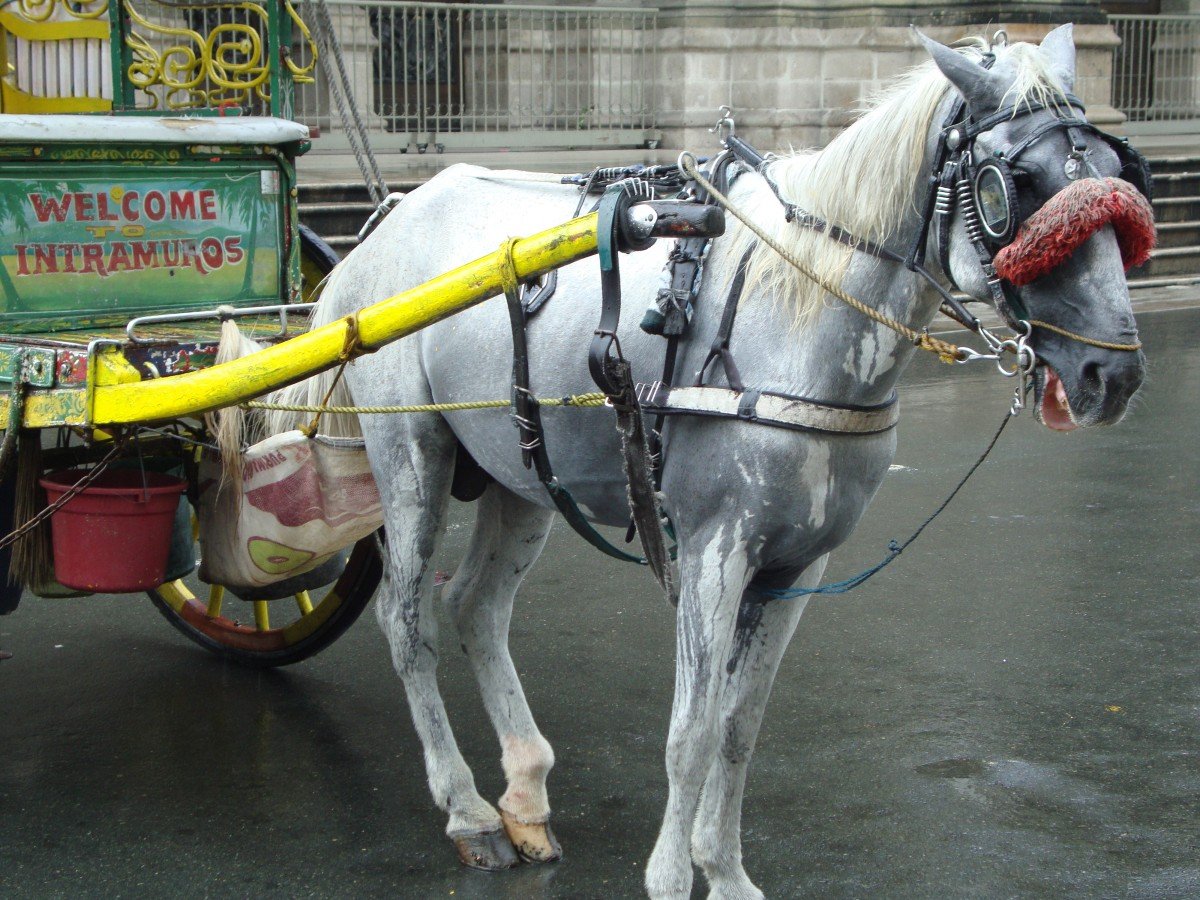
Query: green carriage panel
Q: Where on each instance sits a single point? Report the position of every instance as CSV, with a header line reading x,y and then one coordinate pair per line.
x,y
180,214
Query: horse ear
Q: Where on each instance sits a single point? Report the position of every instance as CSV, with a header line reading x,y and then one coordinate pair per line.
x,y
983,90
1058,49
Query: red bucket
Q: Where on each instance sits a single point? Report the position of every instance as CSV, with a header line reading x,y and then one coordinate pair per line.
x,y
113,537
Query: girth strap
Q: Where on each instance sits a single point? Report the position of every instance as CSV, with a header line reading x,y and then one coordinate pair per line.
x,y
528,418
769,408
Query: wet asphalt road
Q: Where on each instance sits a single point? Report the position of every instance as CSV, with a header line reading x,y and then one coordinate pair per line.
x,y
1009,711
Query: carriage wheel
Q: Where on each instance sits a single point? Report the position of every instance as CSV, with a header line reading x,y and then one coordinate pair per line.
x,y
311,625
317,260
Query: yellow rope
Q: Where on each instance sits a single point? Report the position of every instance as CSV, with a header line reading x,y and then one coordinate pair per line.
x,y
946,351
1103,345
578,400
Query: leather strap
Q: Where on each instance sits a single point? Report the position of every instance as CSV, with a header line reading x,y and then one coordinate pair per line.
x,y
768,408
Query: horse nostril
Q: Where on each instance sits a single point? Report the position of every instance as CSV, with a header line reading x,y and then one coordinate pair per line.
x,y
1090,378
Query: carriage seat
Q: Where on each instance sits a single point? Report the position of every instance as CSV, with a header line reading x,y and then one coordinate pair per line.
x,y
188,130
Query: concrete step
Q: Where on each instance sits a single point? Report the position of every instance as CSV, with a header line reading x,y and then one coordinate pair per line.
x,y
1179,234
1168,262
1184,183
1176,209
1174,164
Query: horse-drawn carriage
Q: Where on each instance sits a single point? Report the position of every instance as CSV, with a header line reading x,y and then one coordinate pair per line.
x,y
130,238
136,220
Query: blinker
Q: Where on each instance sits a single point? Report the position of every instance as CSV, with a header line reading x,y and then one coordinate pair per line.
x,y
995,199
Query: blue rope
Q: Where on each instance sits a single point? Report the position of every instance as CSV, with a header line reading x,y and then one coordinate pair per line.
x,y
894,548
838,587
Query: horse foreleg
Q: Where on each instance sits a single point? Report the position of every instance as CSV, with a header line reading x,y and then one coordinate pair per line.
x,y
508,538
414,485
712,581
763,632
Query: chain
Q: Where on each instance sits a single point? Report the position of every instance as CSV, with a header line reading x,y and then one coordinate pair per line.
x,y
78,487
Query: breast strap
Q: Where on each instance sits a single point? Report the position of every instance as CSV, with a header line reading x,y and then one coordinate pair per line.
x,y
769,408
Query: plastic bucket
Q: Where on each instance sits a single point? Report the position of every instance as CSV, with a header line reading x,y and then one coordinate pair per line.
x,y
113,537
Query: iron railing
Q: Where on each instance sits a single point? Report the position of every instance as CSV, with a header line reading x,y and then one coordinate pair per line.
x,y
470,75
1156,71
159,55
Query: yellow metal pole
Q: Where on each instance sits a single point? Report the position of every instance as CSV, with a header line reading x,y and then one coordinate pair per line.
x,y
307,354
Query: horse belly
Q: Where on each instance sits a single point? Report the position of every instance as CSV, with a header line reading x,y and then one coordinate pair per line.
x,y
469,357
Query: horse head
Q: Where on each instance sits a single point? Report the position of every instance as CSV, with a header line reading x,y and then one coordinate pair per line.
x,y
1042,216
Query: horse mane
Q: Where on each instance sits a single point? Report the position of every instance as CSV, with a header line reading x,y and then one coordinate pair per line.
x,y
865,179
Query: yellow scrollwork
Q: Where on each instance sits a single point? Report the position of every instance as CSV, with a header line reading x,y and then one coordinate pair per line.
x,y
179,67
301,74
61,10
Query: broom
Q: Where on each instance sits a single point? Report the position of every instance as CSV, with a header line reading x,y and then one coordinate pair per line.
x,y
32,555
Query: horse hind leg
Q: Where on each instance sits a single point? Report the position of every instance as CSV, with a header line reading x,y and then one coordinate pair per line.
x,y
414,484
508,538
763,633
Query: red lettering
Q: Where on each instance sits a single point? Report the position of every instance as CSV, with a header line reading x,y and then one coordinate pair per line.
x,y
69,251
93,259
145,255
210,250
46,208
105,214
183,205
22,262
45,258
118,258
208,204
233,250
85,207
170,260
155,206
128,210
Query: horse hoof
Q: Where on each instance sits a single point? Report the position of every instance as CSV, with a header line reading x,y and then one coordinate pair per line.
x,y
535,843
490,851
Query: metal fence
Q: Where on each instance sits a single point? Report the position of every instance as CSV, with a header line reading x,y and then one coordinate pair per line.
x,y
469,75
1156,71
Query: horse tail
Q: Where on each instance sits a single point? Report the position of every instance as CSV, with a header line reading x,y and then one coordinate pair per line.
x,y
231,427
313,391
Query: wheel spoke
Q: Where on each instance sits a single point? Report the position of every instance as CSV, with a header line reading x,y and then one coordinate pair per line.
x,y
216,594
262,615
304,602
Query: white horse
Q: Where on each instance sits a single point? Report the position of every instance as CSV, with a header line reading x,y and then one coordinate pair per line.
x,y
754,508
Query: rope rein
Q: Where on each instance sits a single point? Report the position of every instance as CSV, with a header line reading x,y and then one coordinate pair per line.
x,y
1083,339
947,352
75,489
593,399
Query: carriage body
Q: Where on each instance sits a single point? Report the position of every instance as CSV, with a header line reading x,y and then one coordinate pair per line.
x,y
148,179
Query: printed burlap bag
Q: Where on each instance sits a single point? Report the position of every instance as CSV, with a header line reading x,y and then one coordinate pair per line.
x,y
300,501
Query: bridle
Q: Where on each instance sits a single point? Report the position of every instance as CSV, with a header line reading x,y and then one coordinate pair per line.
x,y
982,187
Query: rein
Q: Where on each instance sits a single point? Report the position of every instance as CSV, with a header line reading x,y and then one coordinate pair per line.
x,y
947,352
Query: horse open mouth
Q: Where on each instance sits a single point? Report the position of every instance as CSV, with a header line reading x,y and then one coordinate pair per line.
x,y
1051,405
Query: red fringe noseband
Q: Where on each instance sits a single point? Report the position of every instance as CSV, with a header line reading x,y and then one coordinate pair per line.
x,y
1072,216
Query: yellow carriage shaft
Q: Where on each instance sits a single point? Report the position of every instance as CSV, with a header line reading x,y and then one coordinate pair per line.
x,y
114,397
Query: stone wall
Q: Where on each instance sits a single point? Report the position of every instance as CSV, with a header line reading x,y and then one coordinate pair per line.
x,y
794,72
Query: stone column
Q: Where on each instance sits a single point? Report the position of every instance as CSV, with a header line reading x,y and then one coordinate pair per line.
x,y
795,70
